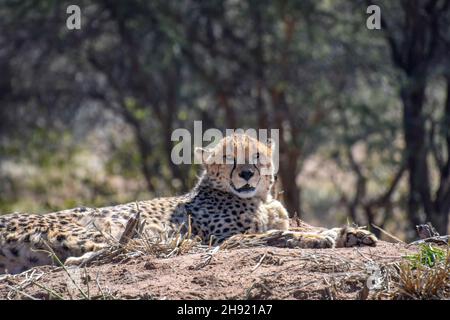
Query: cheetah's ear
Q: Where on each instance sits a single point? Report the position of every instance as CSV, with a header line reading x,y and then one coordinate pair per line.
x,y
202,155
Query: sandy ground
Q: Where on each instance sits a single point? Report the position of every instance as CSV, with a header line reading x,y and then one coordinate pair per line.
x,y
251,273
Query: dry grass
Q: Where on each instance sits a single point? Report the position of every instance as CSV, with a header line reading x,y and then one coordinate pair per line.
x,y
424,283
424,280
425,275
75,288
163,245
133,242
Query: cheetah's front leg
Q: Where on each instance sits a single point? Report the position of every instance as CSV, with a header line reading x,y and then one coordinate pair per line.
x,y
277,233
327,238
282,239
307,236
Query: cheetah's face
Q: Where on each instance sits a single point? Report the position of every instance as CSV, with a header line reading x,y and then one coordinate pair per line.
x,y
241,165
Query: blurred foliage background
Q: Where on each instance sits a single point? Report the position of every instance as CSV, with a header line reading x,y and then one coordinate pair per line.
x,y
86,115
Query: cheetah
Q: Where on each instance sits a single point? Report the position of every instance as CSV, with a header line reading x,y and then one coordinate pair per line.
x,y
232,199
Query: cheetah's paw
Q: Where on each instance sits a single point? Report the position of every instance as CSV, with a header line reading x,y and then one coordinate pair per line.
x,y
355,237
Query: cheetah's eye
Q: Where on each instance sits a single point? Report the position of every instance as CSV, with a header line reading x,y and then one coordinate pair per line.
x,y
228,159
255,157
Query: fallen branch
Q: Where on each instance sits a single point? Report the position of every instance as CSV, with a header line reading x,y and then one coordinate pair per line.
x,y
387,233
437,239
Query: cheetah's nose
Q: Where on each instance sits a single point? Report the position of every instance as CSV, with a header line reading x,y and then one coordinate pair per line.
x,y
246,174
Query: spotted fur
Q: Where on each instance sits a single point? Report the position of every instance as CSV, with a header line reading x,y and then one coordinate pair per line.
x,y
230,202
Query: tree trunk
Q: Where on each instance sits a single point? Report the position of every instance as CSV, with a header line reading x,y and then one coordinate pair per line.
x,y
145,152
291,193
440,218
412,95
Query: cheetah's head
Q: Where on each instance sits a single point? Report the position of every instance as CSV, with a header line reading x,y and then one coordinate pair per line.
x,y
240,164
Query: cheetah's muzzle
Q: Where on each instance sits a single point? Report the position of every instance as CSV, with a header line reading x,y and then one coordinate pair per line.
x,y
246,188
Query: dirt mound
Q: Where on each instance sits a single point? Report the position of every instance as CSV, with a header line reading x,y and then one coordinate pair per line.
x,y
251,273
